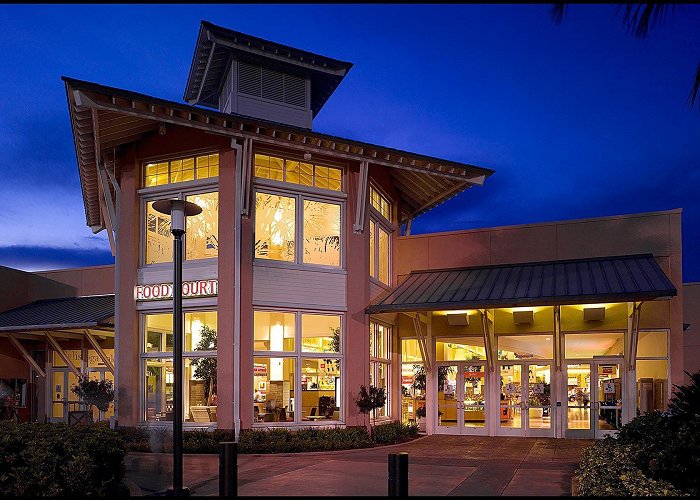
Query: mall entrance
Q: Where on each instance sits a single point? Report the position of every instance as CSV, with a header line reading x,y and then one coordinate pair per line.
x,y
526,399
462,399
594,395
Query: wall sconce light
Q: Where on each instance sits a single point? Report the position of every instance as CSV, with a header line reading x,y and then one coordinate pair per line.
x,y
523,317
594,313
458,319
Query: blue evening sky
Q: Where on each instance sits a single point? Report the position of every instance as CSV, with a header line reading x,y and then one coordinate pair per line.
x,y
578,119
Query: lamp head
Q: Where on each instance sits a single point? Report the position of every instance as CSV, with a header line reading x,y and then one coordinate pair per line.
x,y
177,210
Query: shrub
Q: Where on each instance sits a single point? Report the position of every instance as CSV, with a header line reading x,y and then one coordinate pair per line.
x,y
394,432
606,469
57,460
303,440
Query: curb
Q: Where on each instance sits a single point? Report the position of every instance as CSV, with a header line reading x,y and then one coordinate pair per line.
x,y
309,453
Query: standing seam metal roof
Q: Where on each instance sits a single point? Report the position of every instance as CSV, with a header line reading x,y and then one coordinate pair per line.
x,y
72,312
606,279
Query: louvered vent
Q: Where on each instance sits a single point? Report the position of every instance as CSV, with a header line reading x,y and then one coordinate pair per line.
x,y
271,84
249,79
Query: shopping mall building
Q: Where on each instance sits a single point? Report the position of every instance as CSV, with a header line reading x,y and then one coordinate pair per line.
x,y
303,280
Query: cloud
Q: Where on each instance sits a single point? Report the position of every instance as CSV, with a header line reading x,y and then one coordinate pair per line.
x,y
37,258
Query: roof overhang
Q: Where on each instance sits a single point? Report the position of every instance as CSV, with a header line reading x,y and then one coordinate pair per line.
x,y
625,278
106,118
71,313
216,46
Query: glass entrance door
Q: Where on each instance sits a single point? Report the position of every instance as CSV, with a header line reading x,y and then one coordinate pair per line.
x,y
526,402
594,395
461,398
62,396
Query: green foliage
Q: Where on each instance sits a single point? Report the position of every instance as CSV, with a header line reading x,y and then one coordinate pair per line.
x,y
269,441
99,393
394,432
685,402
419,380
335,340
205,368
57,460
370,398
657,453
607,470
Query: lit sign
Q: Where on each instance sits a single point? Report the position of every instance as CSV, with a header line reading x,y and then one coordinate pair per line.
x,y
190,289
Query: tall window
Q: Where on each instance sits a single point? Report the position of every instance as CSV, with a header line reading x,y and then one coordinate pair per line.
x,y
278,219
380,203
413,381
380,362
652,371
201,236
180,170
296,366
298,172
200,366
379,252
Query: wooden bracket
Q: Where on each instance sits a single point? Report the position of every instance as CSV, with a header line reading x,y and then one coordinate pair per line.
x,y
26,355
361,202
56,347
95,345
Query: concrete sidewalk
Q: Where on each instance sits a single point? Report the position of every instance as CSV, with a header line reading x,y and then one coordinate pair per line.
x,y
438,465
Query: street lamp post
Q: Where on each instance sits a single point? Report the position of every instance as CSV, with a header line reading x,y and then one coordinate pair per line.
x,y
178,210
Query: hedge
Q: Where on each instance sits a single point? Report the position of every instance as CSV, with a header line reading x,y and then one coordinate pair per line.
x,y
280,440
607,469
57,460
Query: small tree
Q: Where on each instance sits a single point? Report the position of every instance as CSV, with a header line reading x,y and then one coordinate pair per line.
x,y
205,368
99,393
369,399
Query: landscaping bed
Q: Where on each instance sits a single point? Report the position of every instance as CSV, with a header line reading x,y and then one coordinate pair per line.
x,y
655,454
258,441
57,460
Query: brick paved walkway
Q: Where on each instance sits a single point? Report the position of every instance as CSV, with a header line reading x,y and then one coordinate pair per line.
x,y
438,465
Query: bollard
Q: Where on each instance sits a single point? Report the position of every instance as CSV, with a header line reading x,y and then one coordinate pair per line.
x,y
228,469
398,474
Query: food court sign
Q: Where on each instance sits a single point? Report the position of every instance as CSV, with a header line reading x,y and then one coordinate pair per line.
x,y
190,289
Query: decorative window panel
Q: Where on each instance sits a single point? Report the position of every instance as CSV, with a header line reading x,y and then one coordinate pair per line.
x,y
321,233
181,170
298,172
275,223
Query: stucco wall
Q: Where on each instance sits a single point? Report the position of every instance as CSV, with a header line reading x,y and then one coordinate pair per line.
x,y
658,233
20,287
691,337
95,280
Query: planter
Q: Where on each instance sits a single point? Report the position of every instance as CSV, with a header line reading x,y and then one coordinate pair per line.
x,y
421,424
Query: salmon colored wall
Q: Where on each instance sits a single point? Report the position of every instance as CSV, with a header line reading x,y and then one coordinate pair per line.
x,y
226,300
127,327
691,336
27,287
94,280
246,403
12,364
356,371
658,233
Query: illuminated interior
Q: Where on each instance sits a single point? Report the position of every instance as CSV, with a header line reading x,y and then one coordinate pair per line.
x,y
159,331
275,227
380,202
202,232
181,170
321,233
297,172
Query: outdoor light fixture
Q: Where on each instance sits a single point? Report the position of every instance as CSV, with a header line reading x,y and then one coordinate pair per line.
x,y
594,313
523,317
177,210
458,319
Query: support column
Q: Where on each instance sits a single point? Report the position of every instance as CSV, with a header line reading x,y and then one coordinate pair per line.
x,y
127,325
356,349
225,378
246,382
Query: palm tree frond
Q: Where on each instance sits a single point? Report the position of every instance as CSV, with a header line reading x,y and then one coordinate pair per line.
x,y
558,12
640,18
693,98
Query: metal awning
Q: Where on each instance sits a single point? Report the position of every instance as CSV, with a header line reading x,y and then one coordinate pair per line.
x,y
624,278
68,313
